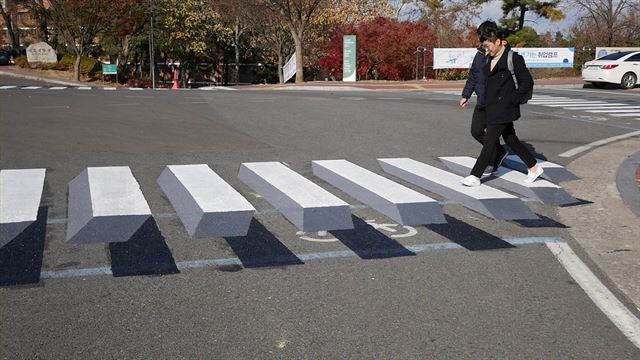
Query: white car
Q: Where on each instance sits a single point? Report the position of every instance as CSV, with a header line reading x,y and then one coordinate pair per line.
x,y
621,68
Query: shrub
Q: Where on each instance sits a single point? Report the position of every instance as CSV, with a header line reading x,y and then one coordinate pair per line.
x,y
453,74
89,67
21,61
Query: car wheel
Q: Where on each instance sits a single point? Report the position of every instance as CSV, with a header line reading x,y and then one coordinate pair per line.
x,y
628,80
598,85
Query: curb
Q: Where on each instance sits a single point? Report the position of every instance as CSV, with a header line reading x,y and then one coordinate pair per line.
x,y
628,182
38,78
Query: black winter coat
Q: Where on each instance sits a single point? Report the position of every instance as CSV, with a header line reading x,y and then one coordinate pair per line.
x,y
475,82
501,97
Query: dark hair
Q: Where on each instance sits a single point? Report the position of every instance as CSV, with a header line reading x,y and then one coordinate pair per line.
x,y
489,30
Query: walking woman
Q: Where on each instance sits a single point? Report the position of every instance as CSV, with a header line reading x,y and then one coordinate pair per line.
x,y
502,104
476,83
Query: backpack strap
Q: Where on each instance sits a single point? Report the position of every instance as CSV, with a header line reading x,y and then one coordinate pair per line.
x,y
510,66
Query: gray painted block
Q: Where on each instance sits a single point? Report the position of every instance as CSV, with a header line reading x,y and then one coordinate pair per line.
x,y
305,204
512,180
206,204
404,205
105,205
552,171
483,199
20,194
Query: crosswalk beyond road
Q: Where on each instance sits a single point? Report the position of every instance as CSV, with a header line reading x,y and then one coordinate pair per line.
x,y
106,204
55,88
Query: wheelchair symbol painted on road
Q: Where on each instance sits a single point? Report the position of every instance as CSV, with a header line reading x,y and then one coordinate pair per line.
x,y
410,230
325,237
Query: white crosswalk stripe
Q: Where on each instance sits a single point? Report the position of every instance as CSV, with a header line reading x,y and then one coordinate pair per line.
x,y
207,88
637,113
633,109
109,200
601,107
20,193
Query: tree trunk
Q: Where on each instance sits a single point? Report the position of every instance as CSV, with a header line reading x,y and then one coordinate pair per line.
x,y
76,66
236,48
15,42
280,64
297,39
523,11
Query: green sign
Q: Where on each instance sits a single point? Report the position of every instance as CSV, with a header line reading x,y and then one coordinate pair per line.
x,y
109,69
349,58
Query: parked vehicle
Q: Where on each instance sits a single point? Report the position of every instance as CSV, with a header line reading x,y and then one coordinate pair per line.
x,y
621,68
5,57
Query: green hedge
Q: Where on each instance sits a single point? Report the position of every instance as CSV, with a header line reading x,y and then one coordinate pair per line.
x,y
89,67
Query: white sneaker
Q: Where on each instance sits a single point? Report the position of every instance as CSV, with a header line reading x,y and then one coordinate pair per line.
x,y
533,175
471,181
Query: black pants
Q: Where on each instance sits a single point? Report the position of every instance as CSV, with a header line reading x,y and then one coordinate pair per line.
x,y
491,138
478,126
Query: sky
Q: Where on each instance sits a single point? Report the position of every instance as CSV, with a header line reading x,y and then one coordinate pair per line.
x,y
493,10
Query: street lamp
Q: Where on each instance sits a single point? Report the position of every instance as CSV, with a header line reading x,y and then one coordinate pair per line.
x,y
423,50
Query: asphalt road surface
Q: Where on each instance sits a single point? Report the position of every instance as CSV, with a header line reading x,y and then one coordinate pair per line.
x,y
469,289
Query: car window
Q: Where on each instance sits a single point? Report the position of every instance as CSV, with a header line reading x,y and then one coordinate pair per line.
x,y
615,56
635,57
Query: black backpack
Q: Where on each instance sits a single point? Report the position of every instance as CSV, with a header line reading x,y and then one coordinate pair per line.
x,y
529,94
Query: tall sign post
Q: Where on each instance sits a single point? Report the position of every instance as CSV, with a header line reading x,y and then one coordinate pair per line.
x,y
349,57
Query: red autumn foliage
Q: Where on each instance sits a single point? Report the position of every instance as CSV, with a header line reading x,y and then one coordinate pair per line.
x,y
385,49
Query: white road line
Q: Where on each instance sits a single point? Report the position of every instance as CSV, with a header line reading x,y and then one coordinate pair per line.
x,y
604,107
604,299
633,109
83,88
135,88
108,88
637,113
31,87
205,263
594,144
7,87
57,88
552,100
389,98
352,98
128,104
51,107
602,92
577,104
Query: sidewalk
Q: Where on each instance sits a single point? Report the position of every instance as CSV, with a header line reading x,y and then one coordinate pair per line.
x,y
420,85
608,228
51,76
396,86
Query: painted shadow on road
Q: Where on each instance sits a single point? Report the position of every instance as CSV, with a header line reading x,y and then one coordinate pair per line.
x,y
21,259
146,253
542,222
369,243
468,236
259,248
